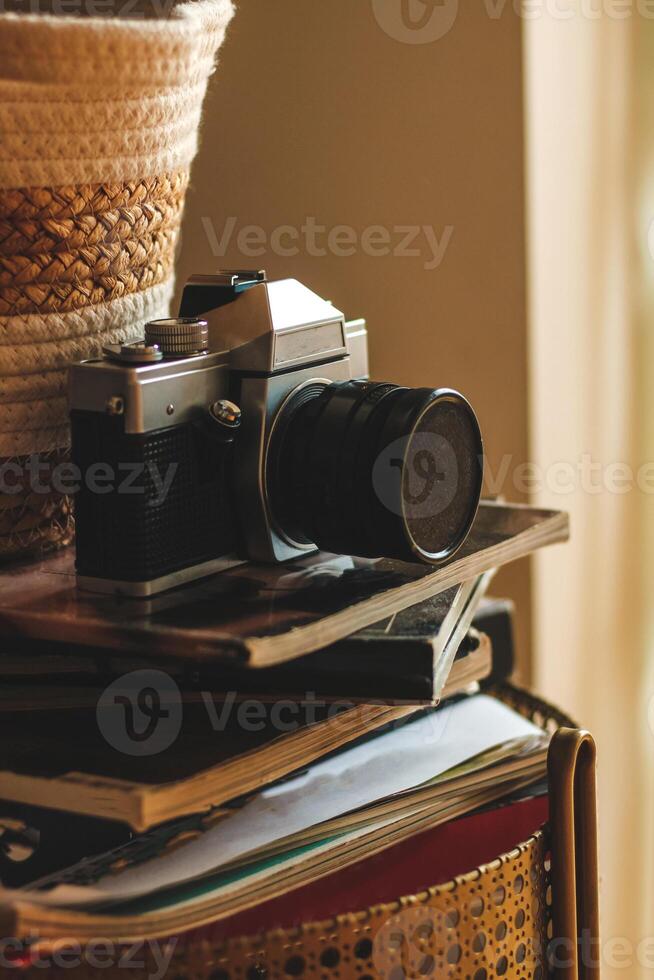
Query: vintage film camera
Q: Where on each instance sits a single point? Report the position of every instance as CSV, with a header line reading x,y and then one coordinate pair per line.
x,y
247,428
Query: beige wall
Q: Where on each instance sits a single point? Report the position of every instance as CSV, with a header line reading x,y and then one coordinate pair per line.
x,y
316,112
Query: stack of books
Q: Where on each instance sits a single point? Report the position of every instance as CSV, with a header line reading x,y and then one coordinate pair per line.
x,y
237,754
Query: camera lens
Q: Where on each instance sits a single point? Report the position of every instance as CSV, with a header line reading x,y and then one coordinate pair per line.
x,y
373,469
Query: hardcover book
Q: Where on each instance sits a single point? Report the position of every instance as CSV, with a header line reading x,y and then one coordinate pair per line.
x,y
205,750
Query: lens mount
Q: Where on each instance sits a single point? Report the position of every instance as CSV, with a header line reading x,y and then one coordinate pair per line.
x,y
278,456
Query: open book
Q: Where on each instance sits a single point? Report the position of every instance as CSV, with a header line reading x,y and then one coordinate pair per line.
x,y
258,615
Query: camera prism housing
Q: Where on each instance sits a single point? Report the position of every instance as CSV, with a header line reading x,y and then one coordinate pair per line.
x,y
247,429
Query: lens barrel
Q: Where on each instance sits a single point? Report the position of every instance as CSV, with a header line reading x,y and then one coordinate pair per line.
x,y
373,469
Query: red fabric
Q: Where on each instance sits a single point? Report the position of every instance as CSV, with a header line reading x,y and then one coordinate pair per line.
x,y
427,859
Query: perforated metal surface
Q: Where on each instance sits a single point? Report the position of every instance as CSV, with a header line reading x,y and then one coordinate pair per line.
x,y
490,923
139,532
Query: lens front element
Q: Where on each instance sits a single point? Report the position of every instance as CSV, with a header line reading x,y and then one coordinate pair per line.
x,y
370,469
429,476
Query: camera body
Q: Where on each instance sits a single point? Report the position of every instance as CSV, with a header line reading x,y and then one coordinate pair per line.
x,y
131,420
247,429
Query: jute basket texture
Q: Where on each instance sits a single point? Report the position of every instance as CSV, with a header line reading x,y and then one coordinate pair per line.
x,y
99,121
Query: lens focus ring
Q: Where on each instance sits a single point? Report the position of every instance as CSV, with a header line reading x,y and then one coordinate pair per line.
x,y
375,470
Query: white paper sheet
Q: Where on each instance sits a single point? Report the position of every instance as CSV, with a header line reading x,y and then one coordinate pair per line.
x,y
391,763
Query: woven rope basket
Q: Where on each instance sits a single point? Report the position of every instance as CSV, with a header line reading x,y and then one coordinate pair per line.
x,y
99,119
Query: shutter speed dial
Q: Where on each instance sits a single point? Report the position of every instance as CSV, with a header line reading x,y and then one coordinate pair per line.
x,y
178,336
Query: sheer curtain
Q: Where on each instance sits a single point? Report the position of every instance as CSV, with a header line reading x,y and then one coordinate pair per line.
x,y
590,165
